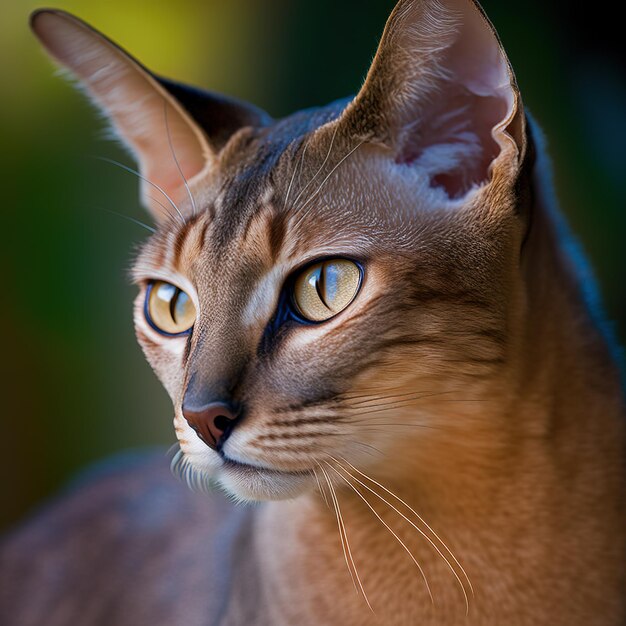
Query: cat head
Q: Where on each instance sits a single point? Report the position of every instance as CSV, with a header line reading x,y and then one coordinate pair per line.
x,y
336,284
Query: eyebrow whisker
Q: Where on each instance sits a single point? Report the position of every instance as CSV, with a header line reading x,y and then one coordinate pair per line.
x,y
180,171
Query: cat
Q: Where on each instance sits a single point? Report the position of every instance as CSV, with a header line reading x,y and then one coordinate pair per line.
x,y
369,319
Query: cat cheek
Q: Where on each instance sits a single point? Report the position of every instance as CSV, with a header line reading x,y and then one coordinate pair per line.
x,y
257,443
165,356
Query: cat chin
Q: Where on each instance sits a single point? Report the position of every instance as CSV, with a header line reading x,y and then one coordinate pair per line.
x,y
250,484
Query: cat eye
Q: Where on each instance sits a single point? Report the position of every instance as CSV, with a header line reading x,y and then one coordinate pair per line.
x,y
168,309
326,288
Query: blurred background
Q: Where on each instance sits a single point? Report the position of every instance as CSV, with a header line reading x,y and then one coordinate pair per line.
x,y
75,386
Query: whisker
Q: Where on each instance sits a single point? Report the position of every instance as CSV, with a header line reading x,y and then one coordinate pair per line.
x,y
176,463
340,517
419,517
341,529
319,486
306,146
370,395
417,394
369,446
399,404
180,171
382,521
321,167
175,447
181,467
373,423
126,217
130,170
293,176
165,209
317,191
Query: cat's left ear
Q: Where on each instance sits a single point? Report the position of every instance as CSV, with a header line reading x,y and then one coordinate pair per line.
x,y
174,131
441,95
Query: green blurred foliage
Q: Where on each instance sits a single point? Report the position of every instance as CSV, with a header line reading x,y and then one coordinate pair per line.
x,y
75,385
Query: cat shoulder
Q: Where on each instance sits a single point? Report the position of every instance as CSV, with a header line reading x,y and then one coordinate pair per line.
x,y
121,539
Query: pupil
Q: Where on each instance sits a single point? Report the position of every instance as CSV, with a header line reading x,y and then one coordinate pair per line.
x,y
180,307
173,302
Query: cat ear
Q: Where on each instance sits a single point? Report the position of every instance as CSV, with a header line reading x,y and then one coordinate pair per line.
x,y
174,131
441,94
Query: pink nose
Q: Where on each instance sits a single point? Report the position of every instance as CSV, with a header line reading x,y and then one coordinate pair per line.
x,y
213,423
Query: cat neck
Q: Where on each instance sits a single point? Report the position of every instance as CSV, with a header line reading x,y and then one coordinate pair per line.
x,y
506,516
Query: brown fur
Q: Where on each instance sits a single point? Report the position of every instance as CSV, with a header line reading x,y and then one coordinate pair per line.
x,y
469,376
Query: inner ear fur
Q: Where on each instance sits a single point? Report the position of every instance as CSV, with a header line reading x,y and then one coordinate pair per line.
x,y
174,131
441,95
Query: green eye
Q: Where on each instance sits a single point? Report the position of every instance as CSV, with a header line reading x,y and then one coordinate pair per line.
x,y
326,288
168,309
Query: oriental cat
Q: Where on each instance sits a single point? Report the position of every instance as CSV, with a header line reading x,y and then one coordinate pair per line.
x,y
369,321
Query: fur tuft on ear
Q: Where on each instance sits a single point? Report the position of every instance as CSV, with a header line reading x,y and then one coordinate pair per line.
x,y
174,131
441,94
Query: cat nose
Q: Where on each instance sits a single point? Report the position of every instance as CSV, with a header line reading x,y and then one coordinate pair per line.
x,y
213,423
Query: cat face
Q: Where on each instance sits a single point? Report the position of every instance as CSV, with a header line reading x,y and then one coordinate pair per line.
x,y
330,277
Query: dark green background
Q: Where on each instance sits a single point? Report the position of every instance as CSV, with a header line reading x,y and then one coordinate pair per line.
x,y
75,385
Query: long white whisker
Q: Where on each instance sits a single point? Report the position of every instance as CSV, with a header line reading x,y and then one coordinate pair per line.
x,y
172,450
338,510
130,170
127,217
321,167
165,209
177,464
293,176
317,191
180,171
382,521
182,468
319,486
419,530
341,530
421,519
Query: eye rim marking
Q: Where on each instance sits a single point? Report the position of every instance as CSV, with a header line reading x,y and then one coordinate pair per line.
x,y
294,309
146,308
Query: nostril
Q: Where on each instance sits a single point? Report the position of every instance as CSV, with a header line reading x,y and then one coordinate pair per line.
x,y
213,423
222,422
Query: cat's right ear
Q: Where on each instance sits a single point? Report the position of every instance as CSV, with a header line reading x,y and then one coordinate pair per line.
x,y
174,131
441,96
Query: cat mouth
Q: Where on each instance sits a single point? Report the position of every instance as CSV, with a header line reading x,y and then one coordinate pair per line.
x,y
249,482
248,468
